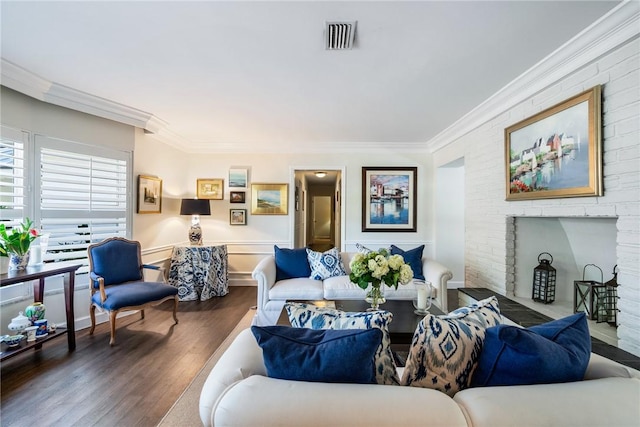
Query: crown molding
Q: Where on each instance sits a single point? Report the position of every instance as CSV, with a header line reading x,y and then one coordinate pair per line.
x,y
30,84
299,147
615,28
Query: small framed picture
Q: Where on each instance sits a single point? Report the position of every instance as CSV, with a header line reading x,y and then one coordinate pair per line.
x,y
149,194
237,197
238,177
237,216
210,188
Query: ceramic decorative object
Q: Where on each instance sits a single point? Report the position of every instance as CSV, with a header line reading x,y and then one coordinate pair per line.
x,y
18,262
19,323
35,311
31,333
13,340
375,296
42,330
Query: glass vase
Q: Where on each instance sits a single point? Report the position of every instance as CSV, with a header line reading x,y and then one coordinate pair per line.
x,y
375,296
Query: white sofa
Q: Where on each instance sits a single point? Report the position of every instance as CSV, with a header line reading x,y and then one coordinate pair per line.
x,y
238,393
272,295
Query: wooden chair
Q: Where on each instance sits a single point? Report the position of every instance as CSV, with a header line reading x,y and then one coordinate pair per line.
x,y
117,281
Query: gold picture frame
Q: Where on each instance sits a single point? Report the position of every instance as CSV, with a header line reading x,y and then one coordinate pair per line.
x,y
546,155
149,194
269,199
210,188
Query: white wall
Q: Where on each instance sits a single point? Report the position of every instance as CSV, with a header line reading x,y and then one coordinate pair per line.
x,y
449,205
489,246
248,244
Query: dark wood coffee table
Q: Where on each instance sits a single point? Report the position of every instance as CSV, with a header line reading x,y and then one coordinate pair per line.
x,y
402,327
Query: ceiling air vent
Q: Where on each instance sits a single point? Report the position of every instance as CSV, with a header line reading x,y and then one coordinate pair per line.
x,y
339,35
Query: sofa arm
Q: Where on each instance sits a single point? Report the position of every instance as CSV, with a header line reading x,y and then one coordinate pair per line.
x,y
242,359
438,275
265,275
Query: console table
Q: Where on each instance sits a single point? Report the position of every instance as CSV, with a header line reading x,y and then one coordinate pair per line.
x,y
39,274
199,272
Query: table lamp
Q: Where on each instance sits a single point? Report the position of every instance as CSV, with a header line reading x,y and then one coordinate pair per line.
x,y
195,208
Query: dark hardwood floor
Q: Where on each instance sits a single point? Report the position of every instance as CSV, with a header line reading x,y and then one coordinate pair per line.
x,y
133,383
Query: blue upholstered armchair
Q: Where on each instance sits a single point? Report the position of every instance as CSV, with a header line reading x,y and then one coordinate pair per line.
x,y
117,282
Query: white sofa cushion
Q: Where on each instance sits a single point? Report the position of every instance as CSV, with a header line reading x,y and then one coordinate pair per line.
x,y
606,401
263,401
301,288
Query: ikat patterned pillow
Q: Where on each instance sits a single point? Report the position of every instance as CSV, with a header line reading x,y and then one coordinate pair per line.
x,y
445,349
309,316
325,264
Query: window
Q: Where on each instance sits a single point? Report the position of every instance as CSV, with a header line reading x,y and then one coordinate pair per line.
x,y
81,198
79,193
13,184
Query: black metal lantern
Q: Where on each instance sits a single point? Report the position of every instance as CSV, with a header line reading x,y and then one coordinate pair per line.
x,y
611,300
544,281
589,296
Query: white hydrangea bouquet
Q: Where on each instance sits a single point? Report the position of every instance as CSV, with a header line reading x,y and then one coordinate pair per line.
x,y
371,270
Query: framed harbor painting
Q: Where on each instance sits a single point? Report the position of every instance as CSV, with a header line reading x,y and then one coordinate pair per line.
x,y
389,199
269,199
558,152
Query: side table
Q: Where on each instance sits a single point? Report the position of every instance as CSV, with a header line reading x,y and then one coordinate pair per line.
x,y
199,272
40,273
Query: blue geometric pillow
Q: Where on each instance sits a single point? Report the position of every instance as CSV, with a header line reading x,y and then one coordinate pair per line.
x,y
291,263
413,257
325,264
310,316
299,354
554,352
444,351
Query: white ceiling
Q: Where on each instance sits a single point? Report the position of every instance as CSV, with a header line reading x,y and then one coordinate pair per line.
x,y
256,75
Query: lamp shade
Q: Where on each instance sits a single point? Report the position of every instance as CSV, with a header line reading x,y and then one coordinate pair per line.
x,y
195,207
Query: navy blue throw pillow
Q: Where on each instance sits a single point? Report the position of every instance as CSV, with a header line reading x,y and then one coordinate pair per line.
x,y
413,257
320,355
291,263
554,352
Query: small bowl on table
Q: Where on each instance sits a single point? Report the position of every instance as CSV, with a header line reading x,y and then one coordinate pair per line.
x,y
12,340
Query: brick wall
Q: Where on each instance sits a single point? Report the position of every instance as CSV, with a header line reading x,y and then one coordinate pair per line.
x,y
489,219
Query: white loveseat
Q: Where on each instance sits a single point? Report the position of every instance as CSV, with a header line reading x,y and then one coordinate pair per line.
x,y
272,295
238,393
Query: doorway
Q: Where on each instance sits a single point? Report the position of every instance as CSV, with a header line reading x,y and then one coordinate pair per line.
x,y
318,218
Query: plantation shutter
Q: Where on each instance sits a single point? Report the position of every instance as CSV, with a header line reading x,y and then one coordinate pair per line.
x,y
13,181
82,196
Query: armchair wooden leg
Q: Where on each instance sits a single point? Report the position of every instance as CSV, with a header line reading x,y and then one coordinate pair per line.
x,y
142,314
92,315
175,309
112,320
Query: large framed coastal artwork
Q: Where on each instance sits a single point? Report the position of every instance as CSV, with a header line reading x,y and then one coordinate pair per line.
x,y
558,152
269,199
389,198
149,194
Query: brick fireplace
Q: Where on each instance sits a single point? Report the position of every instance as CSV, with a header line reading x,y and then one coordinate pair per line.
x,y
491,222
